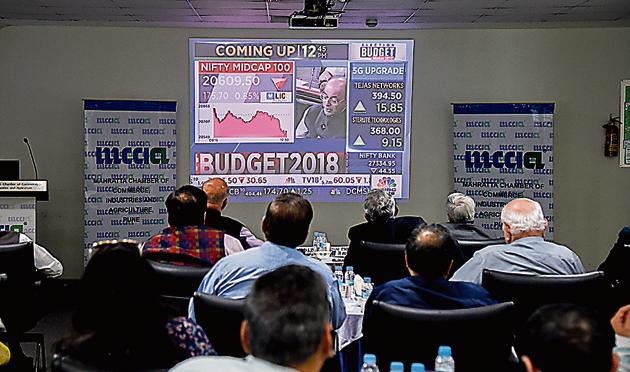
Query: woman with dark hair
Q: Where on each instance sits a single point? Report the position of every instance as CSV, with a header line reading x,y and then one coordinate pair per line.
x,y
119,321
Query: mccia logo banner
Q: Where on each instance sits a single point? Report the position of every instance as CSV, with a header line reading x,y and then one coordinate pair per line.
x,y
130,160
503,151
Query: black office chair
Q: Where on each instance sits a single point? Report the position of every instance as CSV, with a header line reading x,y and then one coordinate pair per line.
x,y
68,364
382,262
469,247
480,338
221,319
176,258
529,292
176,284
18,309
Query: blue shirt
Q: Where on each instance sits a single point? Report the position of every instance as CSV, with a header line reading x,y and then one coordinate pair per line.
x,y
234,275
422,293
531,255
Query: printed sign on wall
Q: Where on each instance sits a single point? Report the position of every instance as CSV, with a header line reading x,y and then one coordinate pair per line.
x,y
18,214
504,151
129,168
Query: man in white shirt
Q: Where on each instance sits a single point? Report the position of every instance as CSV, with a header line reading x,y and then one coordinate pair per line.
x,y
45,262
286,328
525,251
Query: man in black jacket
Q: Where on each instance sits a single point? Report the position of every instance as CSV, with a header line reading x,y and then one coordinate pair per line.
x,y
460,210
615,266
382,226
217,191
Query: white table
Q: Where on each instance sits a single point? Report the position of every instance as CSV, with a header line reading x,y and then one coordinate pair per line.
x,y
351,329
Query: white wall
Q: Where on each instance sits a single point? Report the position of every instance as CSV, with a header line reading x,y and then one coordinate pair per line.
x,y
46,71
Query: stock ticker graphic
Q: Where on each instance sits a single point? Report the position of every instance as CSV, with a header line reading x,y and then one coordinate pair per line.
x,y
262,124
329,119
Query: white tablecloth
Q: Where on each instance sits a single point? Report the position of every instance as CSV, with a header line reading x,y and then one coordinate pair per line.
x,y
351,329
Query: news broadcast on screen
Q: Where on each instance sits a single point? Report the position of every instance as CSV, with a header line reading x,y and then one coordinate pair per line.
x,y
329,119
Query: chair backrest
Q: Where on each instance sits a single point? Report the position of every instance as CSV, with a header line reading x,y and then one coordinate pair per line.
x,y
480,338
18,288
530,291
469,247
221,319
381,261
176,284
176,258
67,364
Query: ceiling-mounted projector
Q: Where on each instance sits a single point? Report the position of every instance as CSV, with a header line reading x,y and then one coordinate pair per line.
x,y
299,20
316,14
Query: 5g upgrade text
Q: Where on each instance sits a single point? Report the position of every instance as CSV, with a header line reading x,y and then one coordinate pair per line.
x,y
270,163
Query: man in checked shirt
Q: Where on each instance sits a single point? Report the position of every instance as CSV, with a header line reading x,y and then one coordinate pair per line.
x,y
186,234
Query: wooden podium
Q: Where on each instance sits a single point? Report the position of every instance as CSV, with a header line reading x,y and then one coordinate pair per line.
x,y
18,201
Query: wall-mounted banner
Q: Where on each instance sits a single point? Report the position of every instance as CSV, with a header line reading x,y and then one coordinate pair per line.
x,y
503,151
129,168
624,143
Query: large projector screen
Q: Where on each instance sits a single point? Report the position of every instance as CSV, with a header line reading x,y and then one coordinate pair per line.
x,y
329,119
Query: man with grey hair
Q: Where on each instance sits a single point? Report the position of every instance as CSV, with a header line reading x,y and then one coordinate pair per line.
x,y
217,191
382,226
525,251
460,210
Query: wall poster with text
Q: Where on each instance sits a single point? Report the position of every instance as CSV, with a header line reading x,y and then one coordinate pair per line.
x,y
503,151
129,168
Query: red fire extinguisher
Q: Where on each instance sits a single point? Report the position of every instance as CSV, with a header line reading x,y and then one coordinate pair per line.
x,y
611,148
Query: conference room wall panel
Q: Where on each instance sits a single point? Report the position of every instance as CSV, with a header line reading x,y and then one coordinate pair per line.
x,y
45,71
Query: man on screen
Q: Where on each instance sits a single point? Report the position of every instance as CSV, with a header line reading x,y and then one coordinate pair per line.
x,y
327,120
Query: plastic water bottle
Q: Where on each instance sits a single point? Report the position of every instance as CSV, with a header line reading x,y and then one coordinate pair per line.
x,y
417,367
338,274
367,287
444,361
349,276
369,363
396,367
350,290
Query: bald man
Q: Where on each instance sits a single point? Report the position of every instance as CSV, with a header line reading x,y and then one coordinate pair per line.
x,y
525,250
327,120
217,192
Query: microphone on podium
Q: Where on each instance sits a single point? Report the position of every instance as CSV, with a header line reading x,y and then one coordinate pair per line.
x,y
30,151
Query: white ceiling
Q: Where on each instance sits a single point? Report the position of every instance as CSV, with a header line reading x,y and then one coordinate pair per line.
x,y
391,14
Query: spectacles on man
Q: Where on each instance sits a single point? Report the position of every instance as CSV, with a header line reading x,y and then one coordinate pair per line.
x,y
333,100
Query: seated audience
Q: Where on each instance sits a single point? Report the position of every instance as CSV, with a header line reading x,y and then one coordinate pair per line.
x,y
286,326
429,257
525,251
567,338
119,322
186,234
382,226
621,325
285,225
460,210
615,266
217,192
